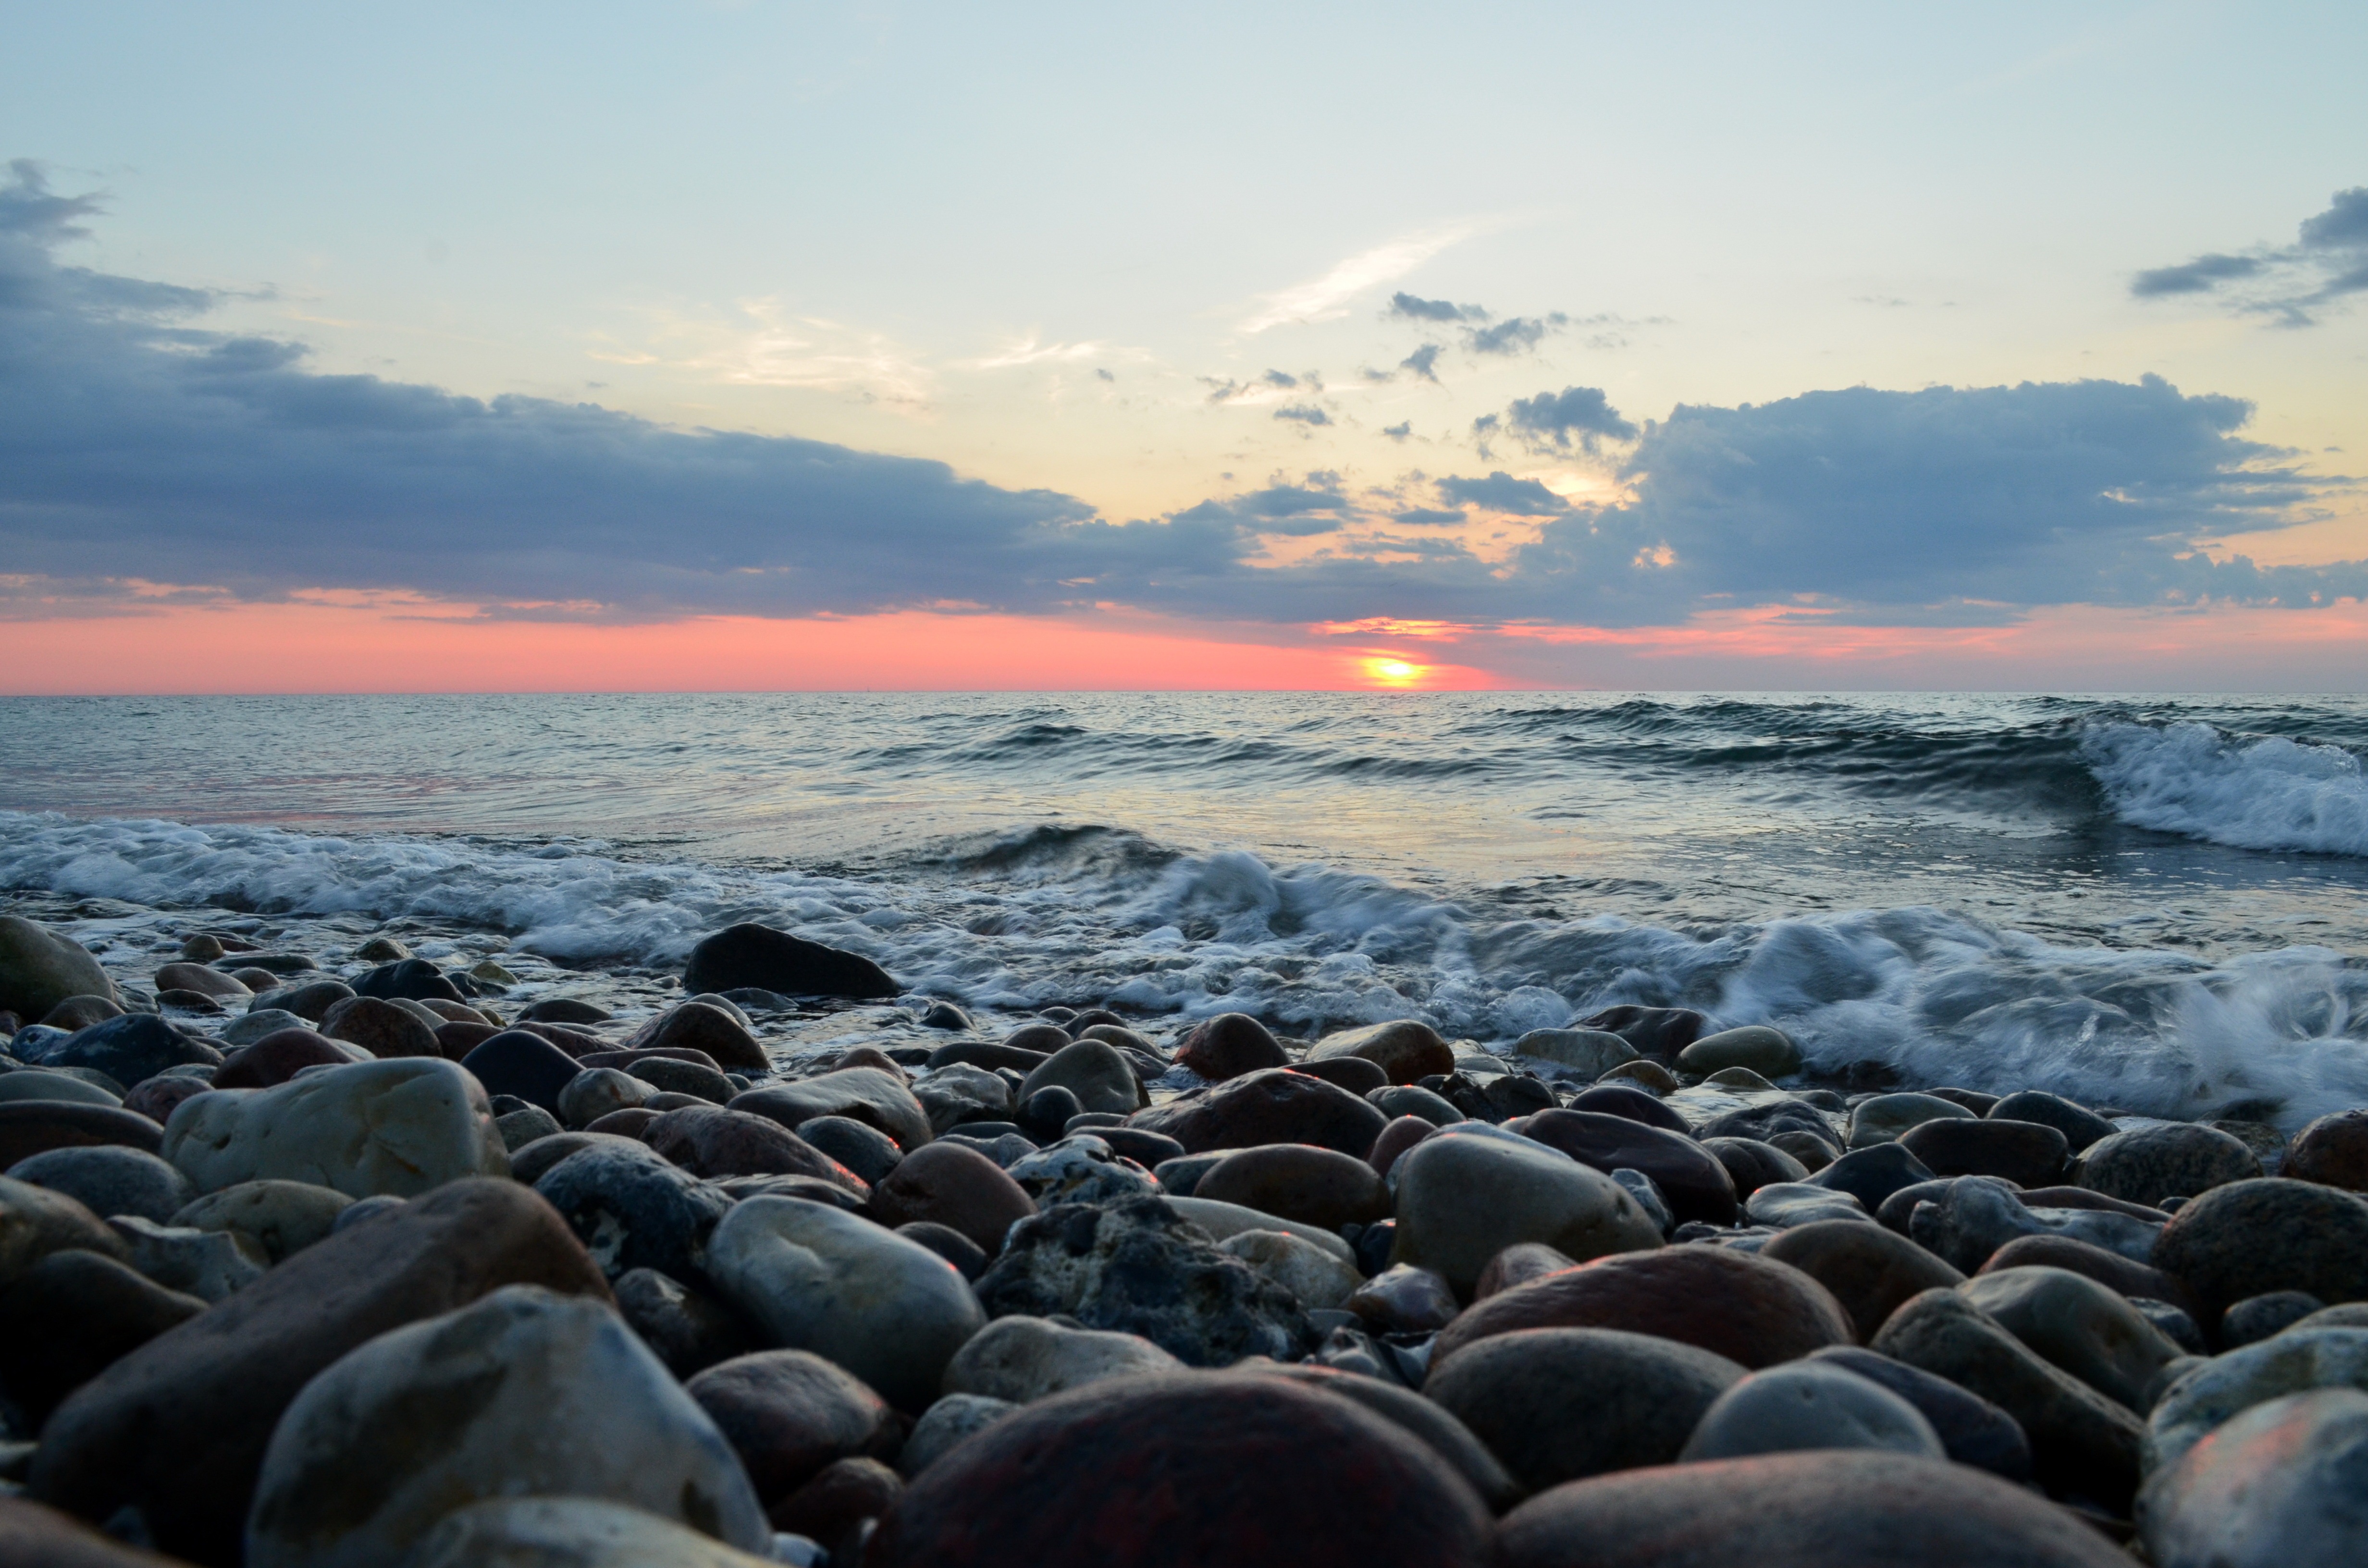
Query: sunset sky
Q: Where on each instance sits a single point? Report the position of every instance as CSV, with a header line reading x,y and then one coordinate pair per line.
x,y
755,345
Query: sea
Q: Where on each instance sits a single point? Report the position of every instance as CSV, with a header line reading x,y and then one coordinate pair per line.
x,y
2159,904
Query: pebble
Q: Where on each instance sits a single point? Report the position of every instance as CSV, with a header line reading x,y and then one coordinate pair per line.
x,y
2256,1318
128,1049
2028,1153
1884,1117
1096,1072
1313,1276
688,1328
790,1414
1623,1100
381,1028
1767,1051
1396,1100
73,1314
1785,1204
40,968
1271,1106
1315,1187
2083,1327
2332,1151
39,1083
2150,1163
209,1264
1020,1360
950,1420
866,1150
715,1142
110,1180
2300,1360
875,1097
631,1209
1809,1405
1406,1049
1869,1271
1081,1169
752,955
1873,1173
1462,1198
1752,1164
960,1188
1972,1430
1976,1215
1691,1178
1583,1053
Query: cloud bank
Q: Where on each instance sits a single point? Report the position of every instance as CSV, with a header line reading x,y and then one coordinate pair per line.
x,y
138,450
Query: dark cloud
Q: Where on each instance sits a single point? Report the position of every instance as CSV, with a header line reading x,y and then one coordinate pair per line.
x,y
1580,415
1514,334
1280,378
1423,516
1399,431
1501,492
1410,308
1305,414
1422,360
2327,261
1105,375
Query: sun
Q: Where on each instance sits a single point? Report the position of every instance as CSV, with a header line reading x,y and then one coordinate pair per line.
x,y
1393,672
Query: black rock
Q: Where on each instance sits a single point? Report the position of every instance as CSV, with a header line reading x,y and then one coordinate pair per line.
x,y
414,978
1375,1245
868,1151
1765,1121
748,954
948,1243
1970,1428
2176,1326
2079,1125
2248,1322
1147,1149
129,1050
1047,1112
945,1016
109,1179
689,1329
564,1010
1619,1099
631,1209
310,1001
1873,1174
73,1315
1654,1032
524,1065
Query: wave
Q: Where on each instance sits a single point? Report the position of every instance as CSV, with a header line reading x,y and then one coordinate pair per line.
x,y
2268,793
1094,914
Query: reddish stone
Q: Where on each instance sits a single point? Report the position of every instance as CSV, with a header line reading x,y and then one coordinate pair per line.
x,y
709,1140
1353,1073
1747,1308
1407,1050
631,1121
789,1413
946,1184
708,1029
156,1097
2110,1269
1277,1105
1297,1181
837,1507
456,1041
35,1127
1397,1138
1518,1264
1689,1176
2332,1151
379,1028
1229,1045
1869,1269
281,1055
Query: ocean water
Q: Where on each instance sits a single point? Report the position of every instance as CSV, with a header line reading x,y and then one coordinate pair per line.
x,y
2154,904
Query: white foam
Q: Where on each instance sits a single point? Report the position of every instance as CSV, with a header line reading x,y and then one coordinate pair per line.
x,y
2265,794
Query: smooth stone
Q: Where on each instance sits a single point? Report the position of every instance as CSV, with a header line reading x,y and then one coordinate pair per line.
x,y
1397,1136
1754,1311
400,1127
676,1075
2256,1318
34,1537
1395,1100
750,955
721,1035
523,1391
1146,1149
35,1222
1353,1073
968,1257
1230,1484
960,1188
309,1000
38,1084
2089,1331
959,1094
1315,1187
2283,1484
1854,1509
1046,1114
521,1063
593,1094
1405,1049
80,1013
1404,1299
1633,1103
2151,1163
2216,1391
71,1316
1518,1264
1462,1200
565,1010
2249,1238
837,1510
1557,1404
1975,1216
1814,1151
35,1127
1020,1359
531,1161
715,1142
2331,1150
1138,1266
1786,1204
1742,1078
1229,1046
40,968
127,1050
790,1414
631,1209
1225,1221
1768,1051
160,1096
1272,1105
1694,1181
259,1024
866,1150
1752,1164
381,1028
572,1532
1869,1271
888,1310
688,1328
177,1429
2079,1125
281,1055
1882,1118
1644,1073
110,1180
2025,1153
872,1096
1972,1430
528,1125
2081,1440
1653,1032
209,1264
283,1217
1809,1405
1587,1054
1319,1280
1873,1174
414,978
1093,1070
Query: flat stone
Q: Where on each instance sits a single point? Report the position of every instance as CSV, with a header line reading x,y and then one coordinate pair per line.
x,y
673,1074
888,1310
712,1142
1855,1508
1768,1051
2271,1233
788,1413
398,1127
1692,1178
1786,1204
1405,1049
1869,1271
1395,1100
1752,1310
872,1096
1272,1105
525,1391
2177,1158
2280,1485
110,1179
1353,1073
1558,1405
960,1188
35,1127
2296,1361
177,1428
1633,1103
1461,1200
1972,1429
1229,1483
2080,1326
1022,1359
1582,1053
2079,1125
1809,1405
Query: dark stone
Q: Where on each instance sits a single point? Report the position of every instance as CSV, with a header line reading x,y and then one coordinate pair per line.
x,y
789,1413
749,954
945,1016
1661,1032
1518,1264
527,1065
710,1141
1187,1472
1042,1039
129,1050
2256,1318
872,1096
2028,1153
2079,1125
1749,1309
705,1027
413,979
2331,1150
575,1043
110,1179
868,1151
1752,1164
156,1097
1397,1138
631,1209
35,1537
80,1013
1146,1148
281,1055
960,1188
836,1509
671,1074
1272,1105
1970,1428
2271,1233
1137,1267
1823,1508
2151,1163
1873,1174
2081,1198
1559,1404
564,1010
1315,1187
1635,1105
1869,1271
965,1254
2108,1269
1353,1073
379,1028
177,1429
2283,1482
70,1317
1767,1122
991,1056
310,1001
1899,1208
1046,1113
1229,1045
1690,1177
1395,1100
689,1329
628,1121
35,1127
456,1041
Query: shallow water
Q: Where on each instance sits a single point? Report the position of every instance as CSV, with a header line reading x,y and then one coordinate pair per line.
x,y
2152,904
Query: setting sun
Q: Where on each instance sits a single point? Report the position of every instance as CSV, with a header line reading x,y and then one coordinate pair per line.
x,y
1393,672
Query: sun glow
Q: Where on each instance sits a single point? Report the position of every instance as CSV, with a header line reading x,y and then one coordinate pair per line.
x,y
1395,672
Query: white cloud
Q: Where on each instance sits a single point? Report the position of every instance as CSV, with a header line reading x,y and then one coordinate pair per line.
x,y
1327,298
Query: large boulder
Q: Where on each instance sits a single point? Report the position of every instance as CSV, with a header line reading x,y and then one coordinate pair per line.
x,y
1187,1472
1271,1106
1754,1312
129,1050
2280,1485
1138,1266
876,1098
1692,1178
40,968
1463,1198
522,1392
813,1278
1559,1404
1831,1509
177,1429
750,955
400,1127
2248,1238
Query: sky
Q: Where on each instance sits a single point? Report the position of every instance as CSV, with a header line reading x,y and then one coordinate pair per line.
x,y
770,347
